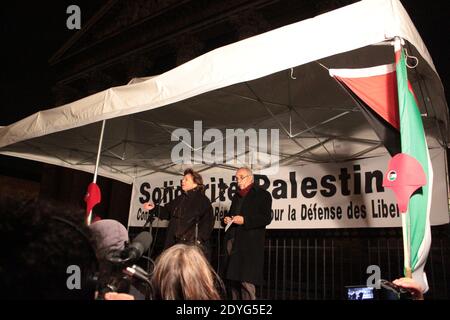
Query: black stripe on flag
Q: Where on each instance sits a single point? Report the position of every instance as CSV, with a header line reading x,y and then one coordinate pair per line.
x,y
387,134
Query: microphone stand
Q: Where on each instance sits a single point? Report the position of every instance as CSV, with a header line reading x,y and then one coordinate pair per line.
x,y
151,217
196,231
221,193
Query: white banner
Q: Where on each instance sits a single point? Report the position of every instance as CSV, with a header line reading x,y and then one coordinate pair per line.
x,y
330,195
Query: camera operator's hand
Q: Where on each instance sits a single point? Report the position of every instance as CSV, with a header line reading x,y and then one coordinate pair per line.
x,y
118,296
412,286
149,206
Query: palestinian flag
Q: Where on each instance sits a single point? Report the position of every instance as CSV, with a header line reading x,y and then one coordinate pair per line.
x,y
414,144
390,106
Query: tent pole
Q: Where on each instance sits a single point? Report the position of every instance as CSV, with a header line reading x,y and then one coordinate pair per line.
x,y
99,151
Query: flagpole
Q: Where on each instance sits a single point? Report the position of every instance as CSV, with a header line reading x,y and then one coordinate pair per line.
x,y
99,150
406,244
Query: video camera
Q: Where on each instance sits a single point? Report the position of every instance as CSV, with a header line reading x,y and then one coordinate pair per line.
x,y
387,291
119,273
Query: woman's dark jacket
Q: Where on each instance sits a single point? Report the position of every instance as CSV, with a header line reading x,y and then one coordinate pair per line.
x,y
184,212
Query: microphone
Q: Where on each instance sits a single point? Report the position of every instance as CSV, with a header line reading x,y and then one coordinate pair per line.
x,y
137,272
133,251
224,187
138,246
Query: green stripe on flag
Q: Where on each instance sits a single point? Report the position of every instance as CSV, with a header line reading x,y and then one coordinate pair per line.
x,y
413,142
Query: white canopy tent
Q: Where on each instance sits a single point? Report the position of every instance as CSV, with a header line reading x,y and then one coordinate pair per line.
x,y
274,80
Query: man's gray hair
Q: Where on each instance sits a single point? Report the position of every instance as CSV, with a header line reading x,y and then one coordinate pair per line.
x,y
248,170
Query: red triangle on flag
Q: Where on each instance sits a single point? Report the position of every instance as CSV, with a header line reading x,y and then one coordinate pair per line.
x,y
404,176
376,86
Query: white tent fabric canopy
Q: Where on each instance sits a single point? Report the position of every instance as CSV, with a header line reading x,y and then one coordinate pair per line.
x,y
278,79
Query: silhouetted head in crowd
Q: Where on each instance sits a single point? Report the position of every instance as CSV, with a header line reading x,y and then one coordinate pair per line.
x,y
109,235
39,242
183,273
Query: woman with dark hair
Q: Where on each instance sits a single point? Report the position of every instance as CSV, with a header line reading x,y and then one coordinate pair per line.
x,y
190,214
183,273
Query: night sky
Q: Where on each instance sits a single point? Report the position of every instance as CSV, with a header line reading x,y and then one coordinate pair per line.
x,y
31,33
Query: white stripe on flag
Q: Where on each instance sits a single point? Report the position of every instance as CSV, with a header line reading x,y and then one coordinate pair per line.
x,y
364,72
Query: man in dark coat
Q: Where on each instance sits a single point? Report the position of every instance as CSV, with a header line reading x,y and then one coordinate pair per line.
x,y
249,214
191,215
